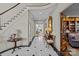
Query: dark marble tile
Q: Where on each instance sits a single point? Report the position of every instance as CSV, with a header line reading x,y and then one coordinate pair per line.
x,y
17,55
27,50
49,54
33,55
40,50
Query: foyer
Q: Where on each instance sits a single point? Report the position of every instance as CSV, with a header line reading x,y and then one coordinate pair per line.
x,y
31,29
39,47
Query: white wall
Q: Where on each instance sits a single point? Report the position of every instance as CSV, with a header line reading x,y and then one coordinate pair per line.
x,y
31,27
10,14
21,23
5,6
56,22
45,25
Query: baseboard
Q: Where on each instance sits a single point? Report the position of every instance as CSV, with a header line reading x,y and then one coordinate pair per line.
x,y
56,50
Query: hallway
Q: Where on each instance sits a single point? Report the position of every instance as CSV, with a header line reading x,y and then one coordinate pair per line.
x,y
39,47
29,20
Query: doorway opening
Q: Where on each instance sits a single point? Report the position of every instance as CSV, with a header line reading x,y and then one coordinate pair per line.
x,y
69,30
39,29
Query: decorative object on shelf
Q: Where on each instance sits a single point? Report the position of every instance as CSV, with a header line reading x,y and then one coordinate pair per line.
x,y
14,39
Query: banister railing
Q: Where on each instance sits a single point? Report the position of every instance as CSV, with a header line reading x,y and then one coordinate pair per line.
x,y
9,9
4,21
6,12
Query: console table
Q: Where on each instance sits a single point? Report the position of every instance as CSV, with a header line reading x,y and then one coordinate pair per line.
x,y
15,40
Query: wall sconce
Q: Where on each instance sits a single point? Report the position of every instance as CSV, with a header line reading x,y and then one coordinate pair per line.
x,y
50,24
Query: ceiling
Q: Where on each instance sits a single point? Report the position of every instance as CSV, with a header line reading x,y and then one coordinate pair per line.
x,y
72,11
36,4
42,14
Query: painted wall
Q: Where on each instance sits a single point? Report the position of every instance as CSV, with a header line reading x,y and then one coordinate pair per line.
x,y
56,22
31,27
10,14
20,24
5,6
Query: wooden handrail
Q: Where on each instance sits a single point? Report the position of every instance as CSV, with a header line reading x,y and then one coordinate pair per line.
x,y
9,9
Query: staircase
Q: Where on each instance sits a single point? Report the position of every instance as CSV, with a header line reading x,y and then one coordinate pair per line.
x,y
8,19
8,16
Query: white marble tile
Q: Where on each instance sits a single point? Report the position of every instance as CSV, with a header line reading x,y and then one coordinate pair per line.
x,y
39,47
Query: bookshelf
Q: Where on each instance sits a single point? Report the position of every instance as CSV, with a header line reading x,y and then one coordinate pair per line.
x,y
69,23
77,24
72,26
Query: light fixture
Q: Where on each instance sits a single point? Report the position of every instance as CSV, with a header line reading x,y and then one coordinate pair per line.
x,y
50,24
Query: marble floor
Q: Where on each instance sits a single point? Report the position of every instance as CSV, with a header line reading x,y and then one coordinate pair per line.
x,y
73,51
39,47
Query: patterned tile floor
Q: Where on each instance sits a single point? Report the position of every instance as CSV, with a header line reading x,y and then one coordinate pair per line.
x,y
74,51
39,47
